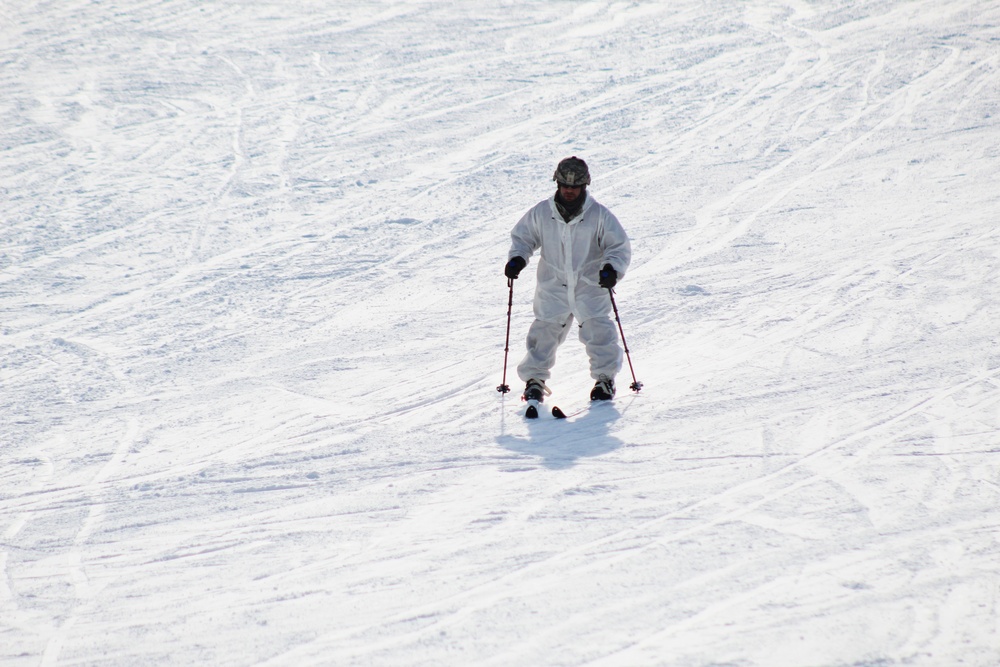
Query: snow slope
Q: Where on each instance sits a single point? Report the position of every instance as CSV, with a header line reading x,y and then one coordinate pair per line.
x,y
252,320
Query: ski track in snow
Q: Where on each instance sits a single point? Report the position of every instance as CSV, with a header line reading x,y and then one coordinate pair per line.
x,y
252,318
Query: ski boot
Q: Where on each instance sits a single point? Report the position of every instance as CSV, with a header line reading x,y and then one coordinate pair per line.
x,y
534,393
604,389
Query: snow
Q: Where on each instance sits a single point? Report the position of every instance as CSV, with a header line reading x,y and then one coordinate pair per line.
x,y
252,319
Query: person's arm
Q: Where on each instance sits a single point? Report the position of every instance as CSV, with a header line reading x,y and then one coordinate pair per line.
x,y
524,238
615,245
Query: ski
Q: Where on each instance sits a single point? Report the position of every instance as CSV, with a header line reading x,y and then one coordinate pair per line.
x,y
558,413
531,412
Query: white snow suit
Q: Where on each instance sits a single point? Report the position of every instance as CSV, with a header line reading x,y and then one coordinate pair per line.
x,y
572,255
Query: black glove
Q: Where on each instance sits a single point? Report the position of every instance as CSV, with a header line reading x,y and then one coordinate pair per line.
x,y
609,277
514,267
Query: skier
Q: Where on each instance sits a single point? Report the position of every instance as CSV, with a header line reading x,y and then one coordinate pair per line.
x,y
584,253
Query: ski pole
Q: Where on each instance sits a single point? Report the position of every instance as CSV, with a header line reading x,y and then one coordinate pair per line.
x,y
636,385
504,388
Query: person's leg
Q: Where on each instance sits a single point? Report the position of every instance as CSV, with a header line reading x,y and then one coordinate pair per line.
x,y
544,338
601,340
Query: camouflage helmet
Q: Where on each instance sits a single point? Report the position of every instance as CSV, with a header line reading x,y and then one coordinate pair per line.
x,y
573,172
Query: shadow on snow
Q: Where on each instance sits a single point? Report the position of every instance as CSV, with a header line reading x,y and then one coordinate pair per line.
x,y
560,443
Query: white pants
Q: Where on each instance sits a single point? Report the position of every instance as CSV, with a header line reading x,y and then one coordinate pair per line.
x,y
598,335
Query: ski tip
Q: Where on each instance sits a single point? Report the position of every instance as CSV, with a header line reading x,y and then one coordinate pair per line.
x,y
557,413
531,412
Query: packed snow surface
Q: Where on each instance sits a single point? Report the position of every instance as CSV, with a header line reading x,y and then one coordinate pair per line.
x,y
252,323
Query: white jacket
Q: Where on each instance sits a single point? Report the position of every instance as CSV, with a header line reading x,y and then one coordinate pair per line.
x,y
572,255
